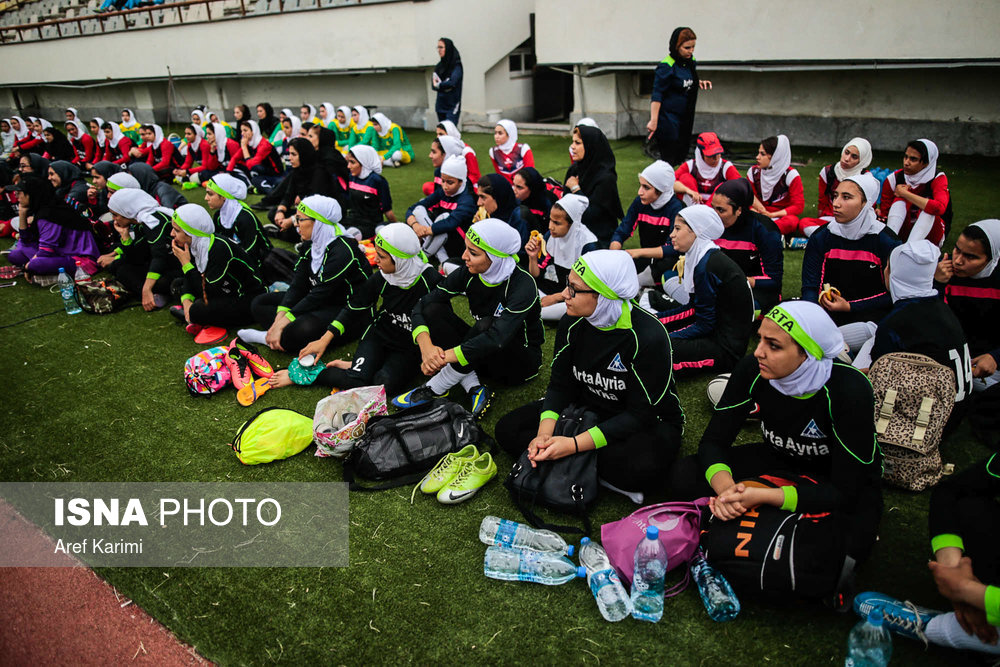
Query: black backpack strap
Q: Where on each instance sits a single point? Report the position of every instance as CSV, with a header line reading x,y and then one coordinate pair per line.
x,y
528,510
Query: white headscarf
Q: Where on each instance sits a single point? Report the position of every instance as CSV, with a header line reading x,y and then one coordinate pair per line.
x,y
451,129
74,112
157,135
132,118
81,131
219,130
369,159
100,132
866,222
587,122
501,242
566,249
296,127
8,136
45,124
123,181
865,153
116,134
661,176
705,170
255,136
401,242
331,113
707,226
197,223
312,112
992,229
511,129
199,134
363,117
347,117
383,122
327,214
928,172
911,270
811,327
451,145
132,203
23,132
780,161
612,274
235,191
208,117
200,114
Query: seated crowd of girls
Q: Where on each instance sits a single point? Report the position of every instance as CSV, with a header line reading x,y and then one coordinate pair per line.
x,y
524,251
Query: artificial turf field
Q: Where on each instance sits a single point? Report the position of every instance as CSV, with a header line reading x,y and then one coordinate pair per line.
x,y
95,399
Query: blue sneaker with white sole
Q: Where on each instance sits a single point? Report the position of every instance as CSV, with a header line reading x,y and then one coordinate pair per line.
x,y
903,618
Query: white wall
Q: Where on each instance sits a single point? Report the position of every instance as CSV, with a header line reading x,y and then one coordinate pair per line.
x,y
599,31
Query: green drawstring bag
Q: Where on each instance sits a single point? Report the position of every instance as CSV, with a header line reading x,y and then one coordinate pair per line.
x,y
272,434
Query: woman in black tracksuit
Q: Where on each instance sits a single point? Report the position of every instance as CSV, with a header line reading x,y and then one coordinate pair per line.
x,y
593,175
326,276
613,359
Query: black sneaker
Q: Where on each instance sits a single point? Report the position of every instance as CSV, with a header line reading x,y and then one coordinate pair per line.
x,y
178,312
270,229
481,397
418,396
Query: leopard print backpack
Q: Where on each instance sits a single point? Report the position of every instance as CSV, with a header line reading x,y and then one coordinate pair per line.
x,y
914,396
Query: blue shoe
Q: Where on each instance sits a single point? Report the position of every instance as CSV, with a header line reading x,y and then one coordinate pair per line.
x,y
482,398
903,618
798,243
418,396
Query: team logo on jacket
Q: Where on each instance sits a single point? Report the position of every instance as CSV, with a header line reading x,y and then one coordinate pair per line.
x,y
499,311
616,365
812,431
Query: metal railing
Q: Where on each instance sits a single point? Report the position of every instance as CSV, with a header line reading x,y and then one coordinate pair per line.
x,y
17,33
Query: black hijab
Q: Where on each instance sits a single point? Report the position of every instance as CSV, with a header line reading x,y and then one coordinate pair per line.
x,y
329,157
738,191
689,62
44,204
539,199
246,113
39,165
148,180
59,148
307,155
69,174
449,60
106,169
269,121
499,188
597,165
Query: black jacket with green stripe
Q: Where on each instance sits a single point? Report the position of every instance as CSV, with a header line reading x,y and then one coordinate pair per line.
x,y
344,270
228,274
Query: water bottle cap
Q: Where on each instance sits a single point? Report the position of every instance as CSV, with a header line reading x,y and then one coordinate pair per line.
x,y
652,532
62,270
570,549
581,572
875,617
584,541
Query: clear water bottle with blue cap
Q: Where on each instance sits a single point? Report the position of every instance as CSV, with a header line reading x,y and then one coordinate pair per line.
x,y
612,600
66,290
504,533
869,644
716,594
648,575
523,565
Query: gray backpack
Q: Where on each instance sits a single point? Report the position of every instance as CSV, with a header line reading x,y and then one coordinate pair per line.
x,y
914,396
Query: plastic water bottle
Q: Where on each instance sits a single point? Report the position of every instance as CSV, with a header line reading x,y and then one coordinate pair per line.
x,y
523,565
504,533
716,594
869,644
647,578
612,600
66,290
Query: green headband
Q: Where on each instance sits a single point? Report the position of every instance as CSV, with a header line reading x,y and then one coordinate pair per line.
x,y
188,228
309,213
780,316
113,187
583,270
478,241
391,249
217,189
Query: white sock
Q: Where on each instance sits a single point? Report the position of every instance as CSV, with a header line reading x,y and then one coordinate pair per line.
x,y
856,334
253,336
864,356
897,213
445,379
555,312
944,630
448,267
646,277
469,381
674,288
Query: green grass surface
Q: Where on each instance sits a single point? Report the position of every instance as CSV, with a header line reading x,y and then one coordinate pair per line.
x,y
102,399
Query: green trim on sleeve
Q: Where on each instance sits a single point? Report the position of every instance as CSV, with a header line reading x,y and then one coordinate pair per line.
x,y
991,602
419,330
187,267
549,414
946,540
284,309
289,316
599,439
716,468
152,276
187,297
338,326
460,355
791,498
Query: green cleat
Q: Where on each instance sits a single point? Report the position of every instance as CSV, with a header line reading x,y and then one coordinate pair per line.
x,y
447,469
473,476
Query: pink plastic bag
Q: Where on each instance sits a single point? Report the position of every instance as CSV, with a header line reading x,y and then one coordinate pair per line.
x,y
680,530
